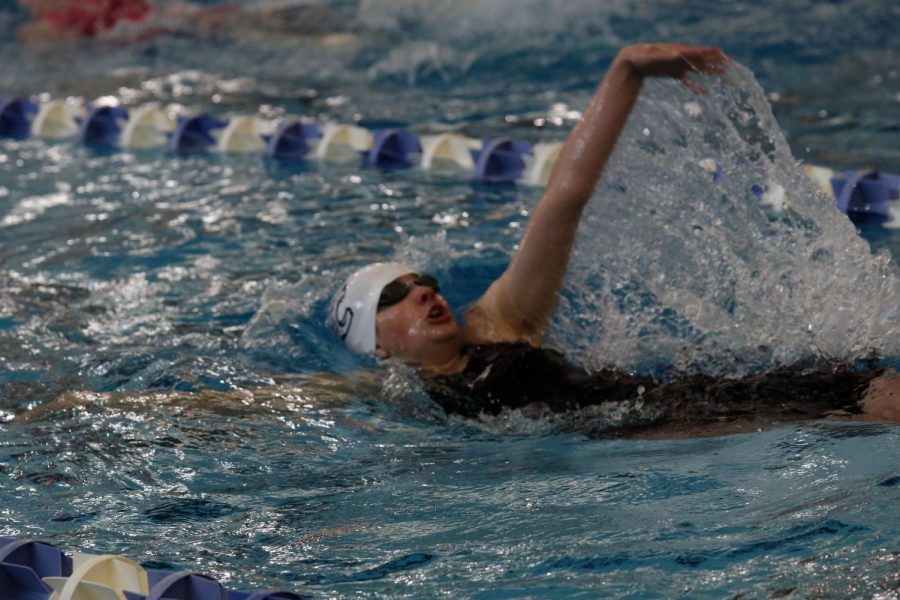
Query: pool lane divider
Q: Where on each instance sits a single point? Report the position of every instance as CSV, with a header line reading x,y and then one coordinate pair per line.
x,y
863,195
34,570
502,160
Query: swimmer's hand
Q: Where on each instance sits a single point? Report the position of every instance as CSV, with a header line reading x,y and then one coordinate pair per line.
x,y
673,60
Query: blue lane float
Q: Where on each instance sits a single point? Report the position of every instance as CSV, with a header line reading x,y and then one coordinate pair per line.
x,y
24,564
16,115
34,570
165,585
292,140
866,192
102,126
193,135
860,194
501,160
183,586
393,149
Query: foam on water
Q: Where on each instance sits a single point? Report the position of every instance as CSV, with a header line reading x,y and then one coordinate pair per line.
x,y
676,266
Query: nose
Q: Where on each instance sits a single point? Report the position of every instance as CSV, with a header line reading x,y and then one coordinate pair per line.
x,y
423,294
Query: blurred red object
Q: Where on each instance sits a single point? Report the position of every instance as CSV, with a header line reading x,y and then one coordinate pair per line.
x,y
87,18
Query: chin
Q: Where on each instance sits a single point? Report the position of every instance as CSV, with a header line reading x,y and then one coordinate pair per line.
x,y
446,332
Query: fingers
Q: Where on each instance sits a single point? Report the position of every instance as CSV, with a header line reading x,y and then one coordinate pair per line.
x,y
710,61
692,66
705,60
674,60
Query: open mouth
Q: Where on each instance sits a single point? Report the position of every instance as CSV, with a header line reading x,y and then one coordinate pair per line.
x,y
438,314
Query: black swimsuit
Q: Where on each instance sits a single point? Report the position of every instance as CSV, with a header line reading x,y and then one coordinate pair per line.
x,y
515,375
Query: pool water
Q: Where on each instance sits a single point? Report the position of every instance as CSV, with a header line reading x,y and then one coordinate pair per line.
x,y
163,354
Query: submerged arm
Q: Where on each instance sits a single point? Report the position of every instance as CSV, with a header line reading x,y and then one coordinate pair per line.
x,y
519,304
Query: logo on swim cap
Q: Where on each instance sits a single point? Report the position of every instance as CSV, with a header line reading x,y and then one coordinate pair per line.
x,y
352,312
341,317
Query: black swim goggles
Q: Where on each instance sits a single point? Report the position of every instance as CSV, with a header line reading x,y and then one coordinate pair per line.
x,y
396,291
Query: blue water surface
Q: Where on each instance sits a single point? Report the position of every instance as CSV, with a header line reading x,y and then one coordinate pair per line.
x,y
161,319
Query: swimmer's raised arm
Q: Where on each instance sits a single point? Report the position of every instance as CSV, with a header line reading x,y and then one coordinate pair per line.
x,y
519,304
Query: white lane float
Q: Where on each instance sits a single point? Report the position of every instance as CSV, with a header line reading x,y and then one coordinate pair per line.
x,y
148,126
57,120
449,152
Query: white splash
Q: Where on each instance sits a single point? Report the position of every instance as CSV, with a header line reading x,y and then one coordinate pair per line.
x,y
707,248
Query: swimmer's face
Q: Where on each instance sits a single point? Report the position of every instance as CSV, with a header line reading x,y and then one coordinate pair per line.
x,y
417,327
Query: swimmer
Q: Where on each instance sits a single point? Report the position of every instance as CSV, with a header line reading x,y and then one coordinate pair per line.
x,y
493,359
122,22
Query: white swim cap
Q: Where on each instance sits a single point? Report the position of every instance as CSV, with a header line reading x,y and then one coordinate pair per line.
x,y
353,308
